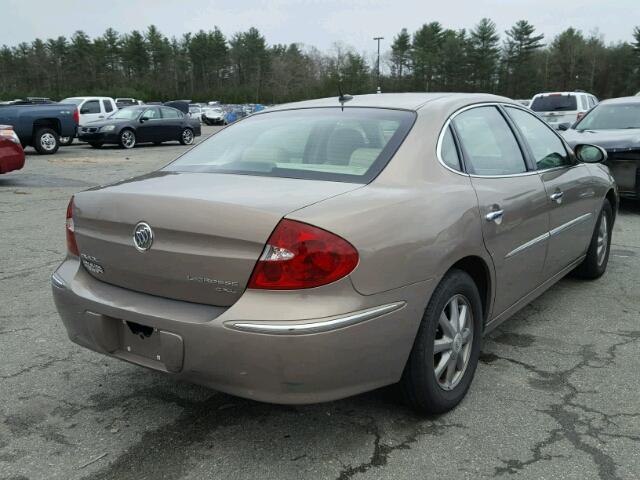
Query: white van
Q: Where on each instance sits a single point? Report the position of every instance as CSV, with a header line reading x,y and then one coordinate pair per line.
x,y
92,108
562,109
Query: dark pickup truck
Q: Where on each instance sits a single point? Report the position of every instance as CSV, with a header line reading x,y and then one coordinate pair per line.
x,y
41,125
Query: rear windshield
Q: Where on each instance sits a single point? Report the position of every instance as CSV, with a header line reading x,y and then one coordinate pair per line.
x,y
611,117
554,103
350,145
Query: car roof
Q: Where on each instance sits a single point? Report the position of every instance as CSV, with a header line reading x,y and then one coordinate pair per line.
x,y
90,98
403,101
562,93
622,100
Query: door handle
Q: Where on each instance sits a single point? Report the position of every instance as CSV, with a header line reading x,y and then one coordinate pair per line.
x,y
100,116
557,196
495,216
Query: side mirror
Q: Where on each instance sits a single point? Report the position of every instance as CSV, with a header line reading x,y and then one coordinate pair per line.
x,y
563,126
143,119
590,153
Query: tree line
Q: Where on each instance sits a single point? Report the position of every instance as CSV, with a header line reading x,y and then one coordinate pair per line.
x,y
207,65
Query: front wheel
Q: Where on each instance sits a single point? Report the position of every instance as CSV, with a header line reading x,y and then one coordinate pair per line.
x,y
46,141
595,263
127,139
447,347
186,138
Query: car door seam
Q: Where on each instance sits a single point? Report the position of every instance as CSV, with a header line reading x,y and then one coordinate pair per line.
x,y
549,234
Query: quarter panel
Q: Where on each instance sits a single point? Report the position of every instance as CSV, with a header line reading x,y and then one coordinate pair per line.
x,y
406,235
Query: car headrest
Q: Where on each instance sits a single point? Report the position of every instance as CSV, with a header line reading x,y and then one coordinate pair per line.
x,y
342,143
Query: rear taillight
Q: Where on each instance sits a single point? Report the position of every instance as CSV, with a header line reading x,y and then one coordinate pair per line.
x,y
76,116
579,116
298,255
9,134
72,246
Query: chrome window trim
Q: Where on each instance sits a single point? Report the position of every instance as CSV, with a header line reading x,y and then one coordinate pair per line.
x,y
318,326
528,244
462,110
569,224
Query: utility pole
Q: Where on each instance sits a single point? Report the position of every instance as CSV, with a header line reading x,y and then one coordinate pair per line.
x,y
377,39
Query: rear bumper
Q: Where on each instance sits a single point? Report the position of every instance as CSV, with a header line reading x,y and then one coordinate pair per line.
x,y
11,156
310,360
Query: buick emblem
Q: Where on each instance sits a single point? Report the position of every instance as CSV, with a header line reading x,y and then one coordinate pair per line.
x,y
142,236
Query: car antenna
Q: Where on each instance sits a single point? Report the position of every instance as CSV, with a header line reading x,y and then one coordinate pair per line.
x,y
344,97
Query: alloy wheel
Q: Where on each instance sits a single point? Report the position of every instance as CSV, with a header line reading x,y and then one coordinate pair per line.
x,y
48,141
128,139
453,341
603,239
187,136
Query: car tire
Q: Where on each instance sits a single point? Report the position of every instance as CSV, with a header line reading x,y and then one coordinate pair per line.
x,y
95,144
46,141
187,136
66,141
429,385
595,263
127,138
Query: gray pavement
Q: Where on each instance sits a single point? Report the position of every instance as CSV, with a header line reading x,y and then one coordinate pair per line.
x,y
556,395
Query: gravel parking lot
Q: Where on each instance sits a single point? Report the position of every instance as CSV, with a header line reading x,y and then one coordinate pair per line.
x,y
555,395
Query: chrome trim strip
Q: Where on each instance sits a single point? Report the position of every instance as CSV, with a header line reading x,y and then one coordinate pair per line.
x,y
548,234
289,328
529,244
569,224
57,281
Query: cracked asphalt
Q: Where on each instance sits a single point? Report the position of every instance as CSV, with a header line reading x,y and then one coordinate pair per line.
x,y
556,395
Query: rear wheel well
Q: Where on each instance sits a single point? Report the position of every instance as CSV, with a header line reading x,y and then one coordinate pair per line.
x,y
51,123
478,270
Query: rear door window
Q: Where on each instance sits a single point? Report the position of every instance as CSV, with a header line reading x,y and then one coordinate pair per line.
x,y
107,106
489,146
350,145
554,103
170,112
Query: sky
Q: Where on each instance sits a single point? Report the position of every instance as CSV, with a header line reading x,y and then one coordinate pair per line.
x,y
319,23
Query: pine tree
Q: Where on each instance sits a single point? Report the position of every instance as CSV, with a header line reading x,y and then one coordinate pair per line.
x,y
401,54
520,47
484,55
425,54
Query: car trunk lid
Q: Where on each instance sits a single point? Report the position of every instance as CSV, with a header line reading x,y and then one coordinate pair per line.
x,y
208,230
